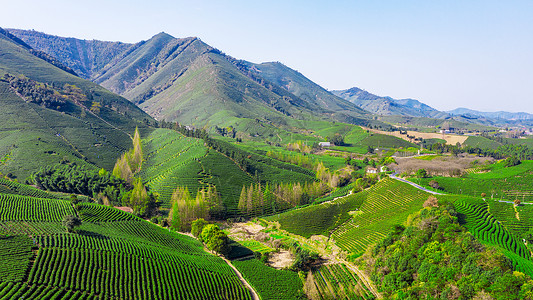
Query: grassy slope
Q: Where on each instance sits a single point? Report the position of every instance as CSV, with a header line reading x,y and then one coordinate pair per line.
x,y
33,136
172,160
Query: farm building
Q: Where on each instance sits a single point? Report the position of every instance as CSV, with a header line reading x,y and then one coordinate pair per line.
x,y
372,170
324,144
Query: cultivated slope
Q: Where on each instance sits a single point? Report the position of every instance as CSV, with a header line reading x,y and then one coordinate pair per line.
x,y
34,134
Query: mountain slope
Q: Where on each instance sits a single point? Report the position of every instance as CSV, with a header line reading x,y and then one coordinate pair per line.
x,y
299,85
186,79
85,57
509,116
388,106
88,124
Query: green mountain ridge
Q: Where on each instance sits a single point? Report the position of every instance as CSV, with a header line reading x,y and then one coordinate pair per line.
x,y
34,135
169,77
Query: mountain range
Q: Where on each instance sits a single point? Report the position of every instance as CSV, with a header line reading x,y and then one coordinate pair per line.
x,y
186,80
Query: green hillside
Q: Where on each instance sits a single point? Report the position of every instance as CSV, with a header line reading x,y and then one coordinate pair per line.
x,y
34,135
113,255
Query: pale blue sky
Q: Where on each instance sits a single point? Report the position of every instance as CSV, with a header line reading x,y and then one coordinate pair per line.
x,y
448,54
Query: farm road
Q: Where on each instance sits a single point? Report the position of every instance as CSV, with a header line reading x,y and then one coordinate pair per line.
x,y
413,184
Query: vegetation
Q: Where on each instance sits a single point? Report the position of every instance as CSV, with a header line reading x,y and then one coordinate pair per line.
x,y
271,283
433,257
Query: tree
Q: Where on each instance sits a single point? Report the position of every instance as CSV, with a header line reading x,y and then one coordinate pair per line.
x,y
215,239
197,226
421,173
71,221
434,184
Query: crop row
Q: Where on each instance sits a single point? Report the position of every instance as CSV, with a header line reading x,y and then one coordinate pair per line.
x,y
338,282
11,187
268,282
386,204
139,249
14,207
92,212
15,254
485,227
30,227
127,277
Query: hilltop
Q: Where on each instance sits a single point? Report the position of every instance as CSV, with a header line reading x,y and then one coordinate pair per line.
x,y
175,79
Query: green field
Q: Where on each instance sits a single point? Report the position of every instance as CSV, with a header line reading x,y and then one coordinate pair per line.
x,y
172,160
337,281
501,182
359,220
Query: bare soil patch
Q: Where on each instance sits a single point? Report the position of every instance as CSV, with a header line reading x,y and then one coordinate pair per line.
x,y
440,166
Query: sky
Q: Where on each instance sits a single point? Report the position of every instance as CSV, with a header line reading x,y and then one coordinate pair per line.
x,y
447,54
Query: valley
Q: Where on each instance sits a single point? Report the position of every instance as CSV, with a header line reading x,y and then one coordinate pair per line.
x,y
167,169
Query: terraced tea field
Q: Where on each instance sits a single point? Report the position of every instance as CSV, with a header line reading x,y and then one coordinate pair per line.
x,y
112,255
387,203
483,225
337,281
171,160
269,283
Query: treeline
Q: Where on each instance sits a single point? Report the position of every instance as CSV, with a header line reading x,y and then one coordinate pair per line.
x,y
521,152
139,197
257,199
36,92
433,257
74,179
298,159
185,209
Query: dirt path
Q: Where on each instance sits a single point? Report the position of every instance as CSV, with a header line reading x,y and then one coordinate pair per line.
x,y
255,296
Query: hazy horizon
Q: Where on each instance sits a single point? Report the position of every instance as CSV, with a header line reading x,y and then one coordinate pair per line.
x,y
475,55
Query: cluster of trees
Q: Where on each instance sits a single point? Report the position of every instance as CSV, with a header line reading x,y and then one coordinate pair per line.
x,y
212,236
74,179
226,131
206,205
257,199
130,162
337,139
184,129
301,146
331,179
102,186
521,152
298,159
36,92
433,257
511,161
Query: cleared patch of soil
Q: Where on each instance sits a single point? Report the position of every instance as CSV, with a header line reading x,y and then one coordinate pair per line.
x,y
280,260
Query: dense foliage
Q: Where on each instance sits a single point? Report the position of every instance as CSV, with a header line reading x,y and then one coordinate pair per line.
x,y
102,186
39,93
434,257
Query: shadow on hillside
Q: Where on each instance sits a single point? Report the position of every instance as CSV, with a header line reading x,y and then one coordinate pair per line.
x,y
92,234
